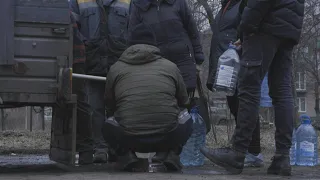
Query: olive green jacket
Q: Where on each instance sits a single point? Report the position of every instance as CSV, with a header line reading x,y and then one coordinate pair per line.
x,y
144,92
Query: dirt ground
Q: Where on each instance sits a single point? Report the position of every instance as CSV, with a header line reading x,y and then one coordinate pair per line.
x,y
24,142
39,167
18,163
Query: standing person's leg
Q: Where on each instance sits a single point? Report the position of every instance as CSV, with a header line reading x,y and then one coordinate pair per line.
x,y
84,124
258,53
282,98
233,104
254,157
254,147
96,101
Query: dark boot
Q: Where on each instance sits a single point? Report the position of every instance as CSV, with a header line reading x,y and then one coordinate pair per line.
x,y
172,162
100,157
112,157
85,158
160,156
227,158
280,165
129,162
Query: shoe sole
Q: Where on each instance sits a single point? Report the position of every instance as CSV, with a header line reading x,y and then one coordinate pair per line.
x,y
227,167
172,166
283,172
254,165
100,160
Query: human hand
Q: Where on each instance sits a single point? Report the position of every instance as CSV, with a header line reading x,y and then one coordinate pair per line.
x,y
237,43
198,67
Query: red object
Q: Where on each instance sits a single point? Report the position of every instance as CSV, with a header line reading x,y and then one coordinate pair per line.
x,y
225,8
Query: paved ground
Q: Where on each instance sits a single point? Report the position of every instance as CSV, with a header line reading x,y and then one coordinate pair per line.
x,y
40,168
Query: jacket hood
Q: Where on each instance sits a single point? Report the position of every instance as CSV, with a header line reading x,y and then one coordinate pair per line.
x,y
140,54
145,4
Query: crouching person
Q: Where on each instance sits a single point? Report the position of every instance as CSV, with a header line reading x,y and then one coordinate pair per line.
x,y
145,95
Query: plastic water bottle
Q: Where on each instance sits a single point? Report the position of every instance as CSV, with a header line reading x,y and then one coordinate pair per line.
x,y
293,149
307,143
191,155
227,71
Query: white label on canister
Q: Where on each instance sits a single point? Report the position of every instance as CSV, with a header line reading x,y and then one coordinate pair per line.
x,y
225,74
307,149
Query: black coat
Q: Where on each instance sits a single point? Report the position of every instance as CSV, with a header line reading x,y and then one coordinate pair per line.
x,y
281,18
224,32
176,33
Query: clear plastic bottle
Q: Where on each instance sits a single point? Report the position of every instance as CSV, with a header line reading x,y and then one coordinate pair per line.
x,y
227,71
307,143
191,155
293,149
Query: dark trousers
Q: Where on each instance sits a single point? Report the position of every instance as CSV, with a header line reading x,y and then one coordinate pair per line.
x,y
262,53
122,142
96,101
254,147
84,113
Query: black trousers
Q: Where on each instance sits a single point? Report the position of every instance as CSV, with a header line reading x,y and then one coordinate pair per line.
x,y
84,113
122,142
254,147
262,53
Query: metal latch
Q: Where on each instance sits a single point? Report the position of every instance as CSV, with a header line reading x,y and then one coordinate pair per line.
x,y
59,30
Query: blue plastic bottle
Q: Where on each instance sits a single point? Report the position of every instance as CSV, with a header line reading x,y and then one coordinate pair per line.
x,y
191,155
293,149
307,143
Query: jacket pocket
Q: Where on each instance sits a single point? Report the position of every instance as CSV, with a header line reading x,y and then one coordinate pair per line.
x,y
89,21
252,51
117,21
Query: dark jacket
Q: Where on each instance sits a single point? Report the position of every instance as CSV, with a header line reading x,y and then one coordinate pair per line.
x,y
103,23
79,55
144,91
281,18
176,33
224,31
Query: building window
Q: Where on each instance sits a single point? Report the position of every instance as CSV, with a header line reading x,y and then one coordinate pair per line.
x,y
301,81
301,101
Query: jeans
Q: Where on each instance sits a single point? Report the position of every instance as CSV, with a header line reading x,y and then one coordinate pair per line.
x,y
262,53
122,142
254,147
96,101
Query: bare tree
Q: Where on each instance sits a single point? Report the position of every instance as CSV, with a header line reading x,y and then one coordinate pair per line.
x,y
204,12
306,54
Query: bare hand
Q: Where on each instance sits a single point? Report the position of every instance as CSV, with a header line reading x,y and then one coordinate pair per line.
x,y
237,43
